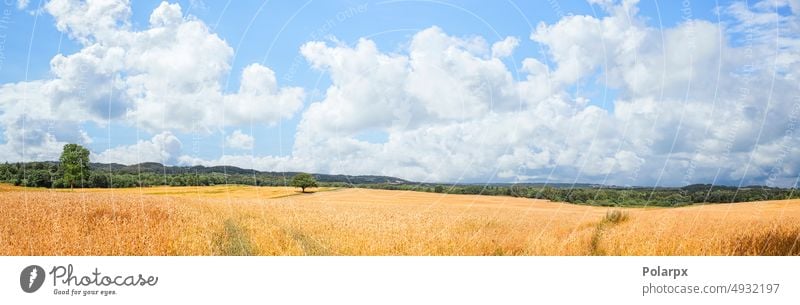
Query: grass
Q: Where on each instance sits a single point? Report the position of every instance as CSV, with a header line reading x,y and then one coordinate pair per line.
x,y
615,216
612,217
232,240
242,220
217,191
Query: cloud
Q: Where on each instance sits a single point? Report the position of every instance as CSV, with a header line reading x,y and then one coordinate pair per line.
x,y
263,163
260,99
166,15
89,21
689,104
22,4
152,77
164,148
239,140
695,102
166,77
449,111
452,80
364,88
32,129
504,47
688,92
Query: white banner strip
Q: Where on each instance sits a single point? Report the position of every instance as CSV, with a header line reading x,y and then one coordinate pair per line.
x,y
399,280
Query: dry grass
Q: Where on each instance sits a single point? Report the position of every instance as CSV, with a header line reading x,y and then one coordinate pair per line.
x,y
219,191
241,220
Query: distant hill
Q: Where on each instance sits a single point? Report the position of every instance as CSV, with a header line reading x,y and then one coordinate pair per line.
x,y
708,187
47,174
558,185
231,174
158,168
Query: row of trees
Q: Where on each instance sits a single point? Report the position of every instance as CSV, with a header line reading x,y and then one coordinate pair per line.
x,y
48,175
73,170
693,194
42,174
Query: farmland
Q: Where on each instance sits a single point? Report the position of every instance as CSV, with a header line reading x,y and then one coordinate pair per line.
x,y
249,220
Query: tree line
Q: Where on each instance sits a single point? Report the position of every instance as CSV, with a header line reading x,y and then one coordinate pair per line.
x,y
73,170
50,175
612,196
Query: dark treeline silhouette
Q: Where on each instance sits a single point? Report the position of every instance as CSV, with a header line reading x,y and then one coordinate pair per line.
x,y
49,174
610,195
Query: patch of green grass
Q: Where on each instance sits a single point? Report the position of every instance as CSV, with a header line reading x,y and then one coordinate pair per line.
x,y
612,217
309,245
232,240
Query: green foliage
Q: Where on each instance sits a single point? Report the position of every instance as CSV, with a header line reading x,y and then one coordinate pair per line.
x,y
303,181
32,174
233,240
609,196
74,165
62,175
38,178
100,180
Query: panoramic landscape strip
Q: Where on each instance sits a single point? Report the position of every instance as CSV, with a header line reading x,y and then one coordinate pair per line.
x,y
588,128
71,207
249,220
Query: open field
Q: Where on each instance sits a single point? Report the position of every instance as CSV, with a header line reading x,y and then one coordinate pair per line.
x,y
244,220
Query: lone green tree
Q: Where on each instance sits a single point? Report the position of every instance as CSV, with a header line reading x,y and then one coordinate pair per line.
x,y
303,180
74,164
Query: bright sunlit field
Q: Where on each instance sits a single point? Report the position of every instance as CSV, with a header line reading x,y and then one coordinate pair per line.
x,y
244,220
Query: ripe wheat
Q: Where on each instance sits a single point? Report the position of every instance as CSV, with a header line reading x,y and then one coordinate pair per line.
x,y
240,220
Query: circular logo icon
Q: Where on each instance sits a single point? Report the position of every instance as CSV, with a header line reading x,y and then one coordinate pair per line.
x,y
31,278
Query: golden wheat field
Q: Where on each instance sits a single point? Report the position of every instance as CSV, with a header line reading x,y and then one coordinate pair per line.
x,y
243,220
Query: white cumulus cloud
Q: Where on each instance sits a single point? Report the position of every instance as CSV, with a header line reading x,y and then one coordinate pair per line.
x,y
239,140
166,77
695,102
689,104
163,148
505,47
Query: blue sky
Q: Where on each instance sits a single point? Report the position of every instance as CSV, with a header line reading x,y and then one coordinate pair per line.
x,y
272,34
273,31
